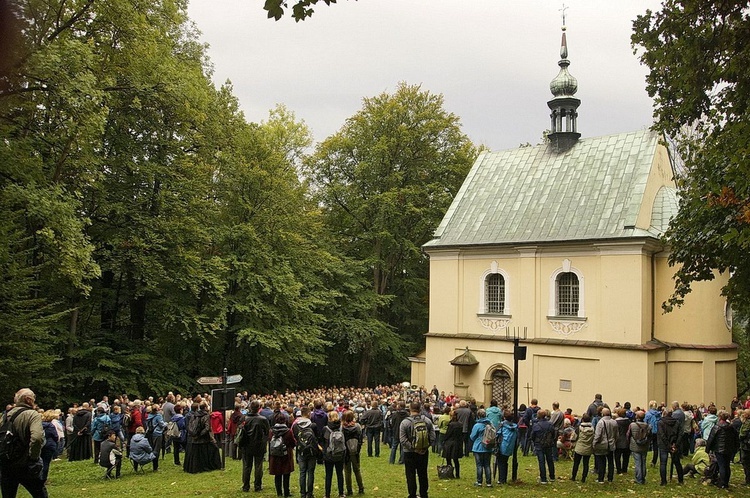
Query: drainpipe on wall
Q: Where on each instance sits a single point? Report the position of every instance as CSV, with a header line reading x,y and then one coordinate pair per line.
x,y
653,296
666,374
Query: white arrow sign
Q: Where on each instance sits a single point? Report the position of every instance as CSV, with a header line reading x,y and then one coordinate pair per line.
x,y
233,379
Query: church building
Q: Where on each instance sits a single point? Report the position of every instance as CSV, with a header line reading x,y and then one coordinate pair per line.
x,y
560,244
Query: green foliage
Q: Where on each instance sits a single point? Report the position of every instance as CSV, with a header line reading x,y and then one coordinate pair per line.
x,y
301,9
697,53
150,235
385,180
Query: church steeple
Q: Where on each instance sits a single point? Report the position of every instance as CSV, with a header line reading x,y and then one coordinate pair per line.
x,y
564,106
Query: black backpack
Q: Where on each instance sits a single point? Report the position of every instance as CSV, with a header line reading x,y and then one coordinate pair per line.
x,y
195,424
278,446
549,438
307,443
14,452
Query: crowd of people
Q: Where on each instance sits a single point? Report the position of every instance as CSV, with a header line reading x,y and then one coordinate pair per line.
x,y
334,427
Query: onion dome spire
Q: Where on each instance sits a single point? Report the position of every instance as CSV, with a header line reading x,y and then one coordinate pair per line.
x,y
564,106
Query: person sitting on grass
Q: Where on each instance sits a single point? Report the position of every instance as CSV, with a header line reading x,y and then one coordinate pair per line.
x,y
700,459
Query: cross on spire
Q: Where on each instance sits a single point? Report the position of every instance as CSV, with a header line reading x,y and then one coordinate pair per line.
x,y
564,8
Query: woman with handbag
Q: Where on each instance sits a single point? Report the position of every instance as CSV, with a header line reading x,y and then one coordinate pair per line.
x,y
453,444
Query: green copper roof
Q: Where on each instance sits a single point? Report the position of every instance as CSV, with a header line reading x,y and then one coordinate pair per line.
x,y
533,194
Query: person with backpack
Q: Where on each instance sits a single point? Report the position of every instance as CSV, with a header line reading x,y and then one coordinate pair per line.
x,y
281,454
653,415
544,438
639,440
179,441
307,451
507,438
529,417
606,432
334,451
116,419
416,436
100,426
372,421
622,445
253,444
398,415
723,442
668,435
20,454
202,452
353,440
483,438
155,426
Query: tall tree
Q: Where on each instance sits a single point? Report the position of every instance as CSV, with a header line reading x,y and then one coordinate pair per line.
x,y
385,180
698,54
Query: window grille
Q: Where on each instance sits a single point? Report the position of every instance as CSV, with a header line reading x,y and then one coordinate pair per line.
x,y
567,294
495,293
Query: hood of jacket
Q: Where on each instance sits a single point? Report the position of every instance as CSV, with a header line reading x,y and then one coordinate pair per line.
x,y
279,430
138,437
351,430
334,426
304,422
711,418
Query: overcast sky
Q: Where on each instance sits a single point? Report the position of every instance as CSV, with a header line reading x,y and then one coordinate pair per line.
x,y
492,60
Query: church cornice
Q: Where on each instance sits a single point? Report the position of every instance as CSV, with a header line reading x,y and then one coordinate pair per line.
x,y
647,346
618,246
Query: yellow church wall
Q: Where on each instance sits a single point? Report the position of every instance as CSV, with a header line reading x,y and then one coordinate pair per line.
x,y
660,175
694,375
568,375
444,297
700,320
727,388
619,316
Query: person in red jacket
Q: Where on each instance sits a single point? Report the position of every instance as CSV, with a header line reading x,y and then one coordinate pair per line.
x,y
217,424
136,421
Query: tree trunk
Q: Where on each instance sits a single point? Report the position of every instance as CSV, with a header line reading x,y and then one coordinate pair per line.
x,y
364,366
72,332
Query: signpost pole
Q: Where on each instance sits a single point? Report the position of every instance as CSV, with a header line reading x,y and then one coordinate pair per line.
x,y
223,409
519,354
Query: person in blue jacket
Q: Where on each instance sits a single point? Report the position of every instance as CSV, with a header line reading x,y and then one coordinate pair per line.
x,y
507,435
482,454
140,450
99,428
155,426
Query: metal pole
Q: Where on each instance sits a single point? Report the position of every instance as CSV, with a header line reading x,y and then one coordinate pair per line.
x,y
225,439
515,403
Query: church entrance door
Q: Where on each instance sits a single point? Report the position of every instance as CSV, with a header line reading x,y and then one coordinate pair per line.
x,y
502,388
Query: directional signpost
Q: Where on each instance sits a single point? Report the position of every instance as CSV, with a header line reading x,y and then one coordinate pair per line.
x,y
234,379
224,379
208,381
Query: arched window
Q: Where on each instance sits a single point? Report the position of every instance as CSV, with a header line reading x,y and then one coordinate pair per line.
x,y
494,293
568,294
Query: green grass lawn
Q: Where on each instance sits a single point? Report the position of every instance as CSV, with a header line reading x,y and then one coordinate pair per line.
x,y
79,479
